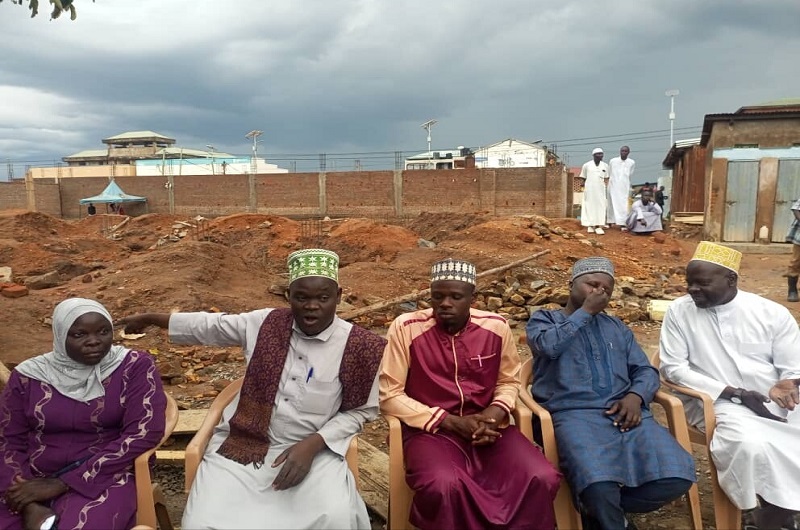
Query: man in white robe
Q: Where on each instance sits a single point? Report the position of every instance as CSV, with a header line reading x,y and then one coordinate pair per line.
x,y
744,351
619,187
304,481
595,179
645,216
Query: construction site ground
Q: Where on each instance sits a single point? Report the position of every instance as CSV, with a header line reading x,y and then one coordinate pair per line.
x,y
167,263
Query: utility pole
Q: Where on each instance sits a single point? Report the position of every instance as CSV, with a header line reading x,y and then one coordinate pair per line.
x,y
671,95
427,126
254,134
211,151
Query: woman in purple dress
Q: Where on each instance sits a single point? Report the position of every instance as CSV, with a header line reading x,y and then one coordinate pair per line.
x,y
72,422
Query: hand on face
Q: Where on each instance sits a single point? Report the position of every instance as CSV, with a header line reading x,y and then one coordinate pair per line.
x,y
596,300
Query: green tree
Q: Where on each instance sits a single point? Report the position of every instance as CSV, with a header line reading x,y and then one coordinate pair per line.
x,y
59,7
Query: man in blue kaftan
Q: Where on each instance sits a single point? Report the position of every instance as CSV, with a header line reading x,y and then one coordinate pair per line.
x,y
597,383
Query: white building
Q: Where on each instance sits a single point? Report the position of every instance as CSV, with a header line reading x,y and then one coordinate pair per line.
x,y
208,165
511,153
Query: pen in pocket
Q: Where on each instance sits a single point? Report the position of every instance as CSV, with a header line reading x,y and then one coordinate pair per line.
x,y
310,373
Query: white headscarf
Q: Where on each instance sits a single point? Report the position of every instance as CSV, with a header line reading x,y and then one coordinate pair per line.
x,y
78,381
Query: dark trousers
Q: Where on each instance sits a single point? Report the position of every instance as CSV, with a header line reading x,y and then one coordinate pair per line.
x,y
603,504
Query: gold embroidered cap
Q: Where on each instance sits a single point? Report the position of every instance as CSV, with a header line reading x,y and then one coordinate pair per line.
x,y
714,253
313,262
453,269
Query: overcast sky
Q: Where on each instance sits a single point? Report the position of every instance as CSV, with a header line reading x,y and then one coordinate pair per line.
x,y
360,76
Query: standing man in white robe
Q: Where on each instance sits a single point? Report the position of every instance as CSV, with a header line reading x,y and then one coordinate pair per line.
x,y
595,179
744,351
619,187
277,458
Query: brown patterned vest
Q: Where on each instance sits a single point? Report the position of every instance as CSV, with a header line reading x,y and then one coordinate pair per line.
x,y
248,442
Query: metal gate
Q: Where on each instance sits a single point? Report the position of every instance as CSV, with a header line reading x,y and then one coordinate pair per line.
x,y
740,201
788,192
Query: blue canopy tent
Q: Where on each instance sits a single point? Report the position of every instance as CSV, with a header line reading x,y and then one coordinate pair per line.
x,y
113,194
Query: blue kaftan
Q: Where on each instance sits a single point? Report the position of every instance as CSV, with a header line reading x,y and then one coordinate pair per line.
x,y
582,365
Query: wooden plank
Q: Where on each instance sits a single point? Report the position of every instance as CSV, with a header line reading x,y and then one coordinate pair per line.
x,y
373,467
164,456
189,421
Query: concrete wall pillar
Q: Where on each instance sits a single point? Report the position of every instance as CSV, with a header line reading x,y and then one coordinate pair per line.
x,y
323,194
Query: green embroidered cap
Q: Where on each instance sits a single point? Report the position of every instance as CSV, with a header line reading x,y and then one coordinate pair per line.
x,y
313,262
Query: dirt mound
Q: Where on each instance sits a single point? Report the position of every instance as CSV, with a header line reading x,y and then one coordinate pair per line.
x,y
365,240
437,226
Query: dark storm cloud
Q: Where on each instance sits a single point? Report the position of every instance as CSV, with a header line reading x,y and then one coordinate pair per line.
x,y
361,75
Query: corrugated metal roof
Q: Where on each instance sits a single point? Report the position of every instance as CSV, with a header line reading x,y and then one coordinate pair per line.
x,y
675,151
748,113
133,135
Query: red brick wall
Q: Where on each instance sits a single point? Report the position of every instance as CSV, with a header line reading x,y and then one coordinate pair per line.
x,y
211,195
542,191
13,196
47,197
360,193
288,194
443,191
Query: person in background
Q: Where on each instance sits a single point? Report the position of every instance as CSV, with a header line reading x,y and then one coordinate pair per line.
x,y
619,187
793,237
594,174
72,422
91,210
660,197
645,216
450,375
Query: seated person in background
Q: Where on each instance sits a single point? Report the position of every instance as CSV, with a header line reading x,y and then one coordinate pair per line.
x,y
276,460
597,383
645,216
450,375
73,421
744,351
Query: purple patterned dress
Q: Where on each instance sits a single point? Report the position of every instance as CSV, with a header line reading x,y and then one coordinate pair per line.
x,y
91,446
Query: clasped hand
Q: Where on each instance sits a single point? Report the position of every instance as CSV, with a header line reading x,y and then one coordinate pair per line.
x,y
626,413
24,492
480,429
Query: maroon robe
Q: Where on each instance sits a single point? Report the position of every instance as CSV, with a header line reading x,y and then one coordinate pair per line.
x,y
428,374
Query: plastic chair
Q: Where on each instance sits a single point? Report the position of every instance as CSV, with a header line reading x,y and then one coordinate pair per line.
x,y
567,517
726,514
401,495
197,446
151,507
